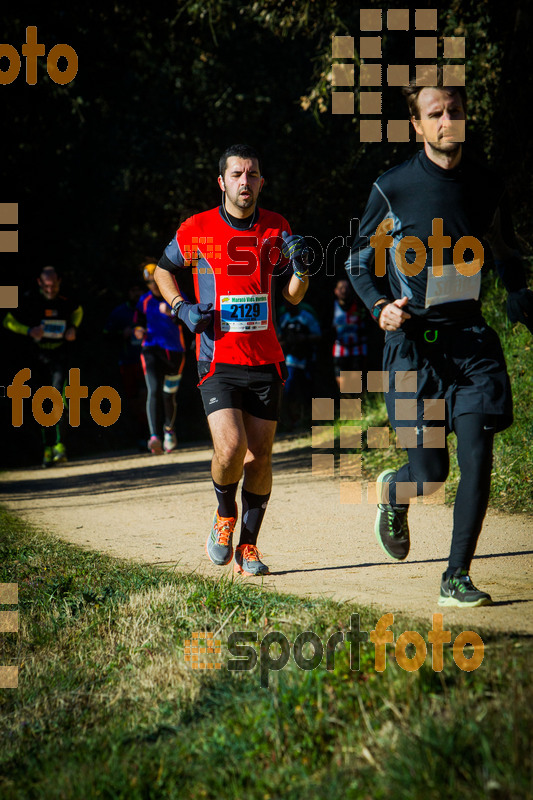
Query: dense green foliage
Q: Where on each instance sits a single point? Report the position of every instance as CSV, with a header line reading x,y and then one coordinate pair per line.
x,y
104,167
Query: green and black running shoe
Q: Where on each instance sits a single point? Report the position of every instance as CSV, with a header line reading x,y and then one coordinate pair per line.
x,y
391,527
458,590
48,457
60,453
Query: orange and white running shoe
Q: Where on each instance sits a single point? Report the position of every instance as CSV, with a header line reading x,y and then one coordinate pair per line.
x,y
248,561
219,545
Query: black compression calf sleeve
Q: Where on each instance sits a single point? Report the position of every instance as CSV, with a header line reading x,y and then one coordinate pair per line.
x,y
226,499
253,511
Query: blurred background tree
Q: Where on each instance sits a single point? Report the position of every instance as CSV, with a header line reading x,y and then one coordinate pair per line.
x,y
104,167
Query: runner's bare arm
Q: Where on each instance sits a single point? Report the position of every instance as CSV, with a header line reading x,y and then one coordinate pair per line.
x,y
167,286
294,291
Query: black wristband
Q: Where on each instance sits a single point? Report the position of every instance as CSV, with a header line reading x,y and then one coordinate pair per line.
x,y
175,308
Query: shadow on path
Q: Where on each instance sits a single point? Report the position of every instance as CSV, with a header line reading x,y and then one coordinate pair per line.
x,y
147,473
402,563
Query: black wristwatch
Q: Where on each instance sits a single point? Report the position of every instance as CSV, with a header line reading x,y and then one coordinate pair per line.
x,y
176,307
377,309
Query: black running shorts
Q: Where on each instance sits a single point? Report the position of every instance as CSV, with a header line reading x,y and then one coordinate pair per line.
x,y
256,390
462,365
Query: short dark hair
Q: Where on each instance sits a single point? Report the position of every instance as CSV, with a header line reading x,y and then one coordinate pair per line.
x,y
412,91
239,150
48,271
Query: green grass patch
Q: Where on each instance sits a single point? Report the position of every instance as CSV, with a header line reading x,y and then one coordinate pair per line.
x,y
512,473
107,706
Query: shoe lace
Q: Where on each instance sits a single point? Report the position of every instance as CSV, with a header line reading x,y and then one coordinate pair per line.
x,y
250,552
397,518
224,527
463,583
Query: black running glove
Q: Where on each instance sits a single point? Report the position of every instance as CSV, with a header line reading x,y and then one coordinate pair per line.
x,y
295,248
196,316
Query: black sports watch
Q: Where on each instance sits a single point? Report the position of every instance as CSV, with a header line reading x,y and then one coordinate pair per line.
x,y
176,307
377,309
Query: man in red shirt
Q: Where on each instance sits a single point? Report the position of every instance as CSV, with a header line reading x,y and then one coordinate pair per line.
x,y
234,251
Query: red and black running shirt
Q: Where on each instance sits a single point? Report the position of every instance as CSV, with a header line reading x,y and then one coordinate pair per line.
x,y
233,270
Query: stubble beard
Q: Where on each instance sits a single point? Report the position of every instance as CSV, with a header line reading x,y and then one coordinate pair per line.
x,y
244,203
445,148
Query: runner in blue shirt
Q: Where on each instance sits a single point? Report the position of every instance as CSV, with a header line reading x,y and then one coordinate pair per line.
x,y
162,359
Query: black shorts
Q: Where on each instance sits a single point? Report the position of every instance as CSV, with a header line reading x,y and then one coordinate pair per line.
x,y
464,367
256,390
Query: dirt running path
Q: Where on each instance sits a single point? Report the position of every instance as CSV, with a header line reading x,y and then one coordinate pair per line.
x,y
159,510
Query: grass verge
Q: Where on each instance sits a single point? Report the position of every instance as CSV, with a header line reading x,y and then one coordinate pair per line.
x,y
107,707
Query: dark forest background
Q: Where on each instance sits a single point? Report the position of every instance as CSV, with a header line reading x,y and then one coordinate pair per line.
x,y
103,168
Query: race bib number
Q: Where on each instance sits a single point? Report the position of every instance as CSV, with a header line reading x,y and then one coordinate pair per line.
x,y
451,286
244,313
54,328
